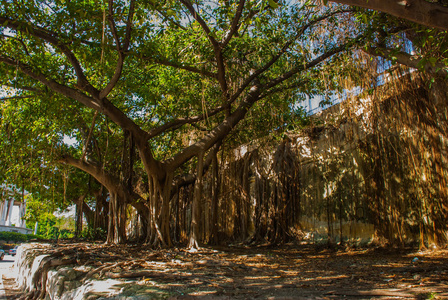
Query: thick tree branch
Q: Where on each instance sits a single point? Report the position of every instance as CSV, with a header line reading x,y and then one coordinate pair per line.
x,y
166,62
201,22
182,121
234,27
419,11
216,46
282,51
187,179
121,50
97,171
54,40
412,61
314,62
53,85
217,134
111,183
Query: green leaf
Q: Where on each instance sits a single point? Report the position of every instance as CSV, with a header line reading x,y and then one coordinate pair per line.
x,y
432,61
273,4
421,64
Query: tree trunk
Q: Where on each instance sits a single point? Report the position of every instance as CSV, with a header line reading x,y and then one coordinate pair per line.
x,y
215,199
116,233
195,213
79,209
418,11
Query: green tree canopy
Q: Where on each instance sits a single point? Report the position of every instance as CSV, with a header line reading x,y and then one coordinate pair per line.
x,y
151,90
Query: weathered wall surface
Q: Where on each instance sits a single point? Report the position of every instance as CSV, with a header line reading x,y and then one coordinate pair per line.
x,y
367,169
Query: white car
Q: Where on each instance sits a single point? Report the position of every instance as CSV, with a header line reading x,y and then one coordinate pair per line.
x,y
13,251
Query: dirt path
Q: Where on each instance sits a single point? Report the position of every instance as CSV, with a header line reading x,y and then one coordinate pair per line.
x,y
302,272
307,273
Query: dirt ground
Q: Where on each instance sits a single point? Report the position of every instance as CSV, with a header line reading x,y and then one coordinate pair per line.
x,y
290,272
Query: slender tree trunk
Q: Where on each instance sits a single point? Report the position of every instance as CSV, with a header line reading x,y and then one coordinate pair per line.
x,y
194,228
117,220
111,225
245,197
164,218
79,210
215,199
176,233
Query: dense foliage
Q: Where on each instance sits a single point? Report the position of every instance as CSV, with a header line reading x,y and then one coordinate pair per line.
x,y
149,93
16,237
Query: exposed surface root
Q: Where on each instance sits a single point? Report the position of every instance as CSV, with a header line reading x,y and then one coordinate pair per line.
x,y
242,273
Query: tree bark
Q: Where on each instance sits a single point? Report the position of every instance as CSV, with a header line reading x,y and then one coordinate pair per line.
x,y
215,199
194,229
79,210
418,11
409,60
119,198
116,233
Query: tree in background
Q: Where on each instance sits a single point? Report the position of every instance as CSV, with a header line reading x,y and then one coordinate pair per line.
x,y
49,226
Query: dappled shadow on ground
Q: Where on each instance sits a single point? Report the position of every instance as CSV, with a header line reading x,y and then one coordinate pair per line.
x,y
300,272
306,273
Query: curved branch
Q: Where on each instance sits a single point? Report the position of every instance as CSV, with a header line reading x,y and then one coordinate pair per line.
x,y
276,57
419,11
412,61
111,183
54,40
165,62
121,51
201,22
182,121
217,134
187,179
97,171
53,85
234,27
314,62
216,46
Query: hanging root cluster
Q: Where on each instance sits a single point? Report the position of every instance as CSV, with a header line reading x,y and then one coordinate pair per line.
x,y
376,165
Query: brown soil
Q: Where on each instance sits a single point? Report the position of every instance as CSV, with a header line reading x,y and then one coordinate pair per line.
x,y
302,272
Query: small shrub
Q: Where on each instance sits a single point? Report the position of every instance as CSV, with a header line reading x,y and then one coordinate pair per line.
x,y
93,234
16,237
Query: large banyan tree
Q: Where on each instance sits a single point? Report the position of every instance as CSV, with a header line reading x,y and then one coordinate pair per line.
x,y
150,91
